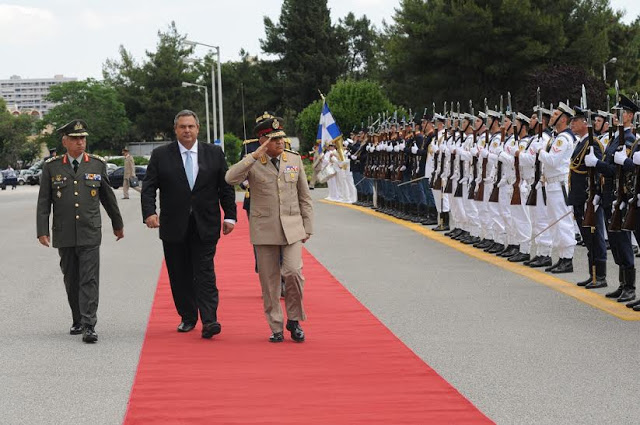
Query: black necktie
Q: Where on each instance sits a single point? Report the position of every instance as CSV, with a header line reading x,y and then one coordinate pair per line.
x,y
75,165
276,163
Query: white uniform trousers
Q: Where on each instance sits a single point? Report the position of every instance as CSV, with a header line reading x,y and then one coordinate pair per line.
x,y
540,221
497,224
457,209
520,221
442,204
486,220
562,235
471,211
504,202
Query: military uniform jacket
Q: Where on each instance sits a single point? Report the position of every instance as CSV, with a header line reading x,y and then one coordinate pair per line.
x,y
76,199
556,159
281,207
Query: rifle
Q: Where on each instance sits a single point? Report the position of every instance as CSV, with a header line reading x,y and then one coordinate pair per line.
x,y
458,193
474,163
532,199
589,219
479,196
495,193
516,198
616,217
632,212
449,186
437,185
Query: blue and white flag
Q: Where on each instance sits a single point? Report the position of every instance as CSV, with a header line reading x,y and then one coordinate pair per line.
x,y
328,130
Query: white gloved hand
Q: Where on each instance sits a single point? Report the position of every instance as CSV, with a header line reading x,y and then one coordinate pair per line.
x,y
484,153
502,156
596,202
636,158
390,167
414,149
622,205
590,160
396,148
474,151
389,148
619,157
404,167
245,183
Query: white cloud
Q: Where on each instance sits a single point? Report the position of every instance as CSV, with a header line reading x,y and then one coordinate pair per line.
x,y
21,25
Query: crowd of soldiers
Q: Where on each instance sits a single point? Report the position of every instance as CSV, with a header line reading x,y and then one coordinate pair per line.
x,y
517,185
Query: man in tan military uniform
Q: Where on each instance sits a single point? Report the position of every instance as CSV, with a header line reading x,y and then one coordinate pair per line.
x,y
76,184
129,171
316,165
281,221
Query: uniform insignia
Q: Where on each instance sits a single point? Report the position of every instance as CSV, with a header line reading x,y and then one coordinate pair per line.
x,y
522,147
290,151
97,157
78,126
94,177
275,124
559,142
58,177
284,156
53,158
291,169
263,159
94,192
59,194
246,142
292,175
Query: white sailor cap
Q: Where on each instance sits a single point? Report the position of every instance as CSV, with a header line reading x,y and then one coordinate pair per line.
x,y
467,116
543,110
566,109
494,114
523,117
440,117
603,114
482,115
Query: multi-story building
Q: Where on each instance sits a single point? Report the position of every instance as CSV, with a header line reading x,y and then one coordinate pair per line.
x,y
26,96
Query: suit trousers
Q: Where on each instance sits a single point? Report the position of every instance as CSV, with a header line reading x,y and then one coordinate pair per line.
x,y
126,186
271,272
80,267
192,276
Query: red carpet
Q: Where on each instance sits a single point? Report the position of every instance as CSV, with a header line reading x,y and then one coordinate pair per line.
x,y
351,369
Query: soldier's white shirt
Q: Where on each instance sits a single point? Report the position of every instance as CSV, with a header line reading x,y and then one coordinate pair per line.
x,y
556,159
507,157
495,147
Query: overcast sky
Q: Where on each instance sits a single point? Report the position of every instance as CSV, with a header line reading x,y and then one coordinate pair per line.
x,y
41,38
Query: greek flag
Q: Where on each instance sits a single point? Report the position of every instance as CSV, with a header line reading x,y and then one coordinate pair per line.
x,y
328,130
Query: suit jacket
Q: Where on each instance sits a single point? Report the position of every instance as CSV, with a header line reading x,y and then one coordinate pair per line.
x,y
281,207
129,167
178,202
76,199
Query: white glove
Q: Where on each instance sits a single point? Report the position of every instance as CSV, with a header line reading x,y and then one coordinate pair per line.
x,y
636,158
404,167
502,156
591,160
622,205
245,183
402,145
474,151
390,167
484,153
596,202
414,149
396,148
389,148
619,157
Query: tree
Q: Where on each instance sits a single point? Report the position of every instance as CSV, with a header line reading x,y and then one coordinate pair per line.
x,y
93,101
363,44
15,144
309,50
351,103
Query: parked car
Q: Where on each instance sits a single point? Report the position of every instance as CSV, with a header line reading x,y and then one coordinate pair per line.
x,y
23,176
9,179
111,168
116,177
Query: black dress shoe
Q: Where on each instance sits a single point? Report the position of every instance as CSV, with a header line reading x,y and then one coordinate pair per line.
x,y
76,329
297,334
89,335
542,261
550,268
528,262
471,240
510,251
627,295
566,266
633,303
211,329
497,247
276,337
186,326
484,244
519,257
463,235
614,294
601,282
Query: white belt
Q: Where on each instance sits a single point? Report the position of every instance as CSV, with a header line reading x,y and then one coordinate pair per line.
x,y
562,178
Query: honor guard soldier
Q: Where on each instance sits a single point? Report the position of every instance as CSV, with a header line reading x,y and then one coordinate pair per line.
x,y
76,183
619,241
578,193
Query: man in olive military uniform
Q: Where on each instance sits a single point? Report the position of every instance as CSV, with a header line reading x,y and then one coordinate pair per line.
x,y
76,183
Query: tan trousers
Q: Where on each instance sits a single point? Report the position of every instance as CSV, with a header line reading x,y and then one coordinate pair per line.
x,y
125,188
269,270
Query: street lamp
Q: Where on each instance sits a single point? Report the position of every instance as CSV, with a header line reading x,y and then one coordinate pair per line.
x,y
604,68
221,119
213,95
206,104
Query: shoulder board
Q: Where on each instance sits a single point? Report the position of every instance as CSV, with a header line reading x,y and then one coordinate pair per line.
x,y
53,158
97,157
246,142
293,152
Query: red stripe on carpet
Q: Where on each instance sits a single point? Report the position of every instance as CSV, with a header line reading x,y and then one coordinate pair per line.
x,y
351,369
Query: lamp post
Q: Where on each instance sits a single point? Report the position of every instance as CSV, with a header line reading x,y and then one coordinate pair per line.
x,y
220,111
213,95
206,104
604,68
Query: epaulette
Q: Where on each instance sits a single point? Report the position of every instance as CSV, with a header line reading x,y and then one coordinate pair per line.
x,y
53,158
246,142
92,155
291,151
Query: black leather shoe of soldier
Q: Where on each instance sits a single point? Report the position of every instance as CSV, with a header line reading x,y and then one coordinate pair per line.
x,y
463,235
566,266
76,329
614,294
633,303
186,326
528,262
211,329
542,261
297,334
585,282
485,243
519,257
276,337
553,267
471,240
498,247
601,282
510,251
89,335
490,247
627,295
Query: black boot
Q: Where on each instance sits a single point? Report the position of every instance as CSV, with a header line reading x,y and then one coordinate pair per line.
x,y
565,266
629,291
431,216
617,292
601,276
440,227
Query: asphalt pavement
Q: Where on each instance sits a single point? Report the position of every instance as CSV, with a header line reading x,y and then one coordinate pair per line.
x,y
520,351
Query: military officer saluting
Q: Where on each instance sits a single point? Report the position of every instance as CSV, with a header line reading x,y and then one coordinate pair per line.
x,y
76,183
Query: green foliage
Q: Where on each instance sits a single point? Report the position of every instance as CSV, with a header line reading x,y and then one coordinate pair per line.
x,y
93,101
138,160
14,142
364,48
351,103
232,148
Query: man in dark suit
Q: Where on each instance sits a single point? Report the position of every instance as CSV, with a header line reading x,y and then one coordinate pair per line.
x,y
190,176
